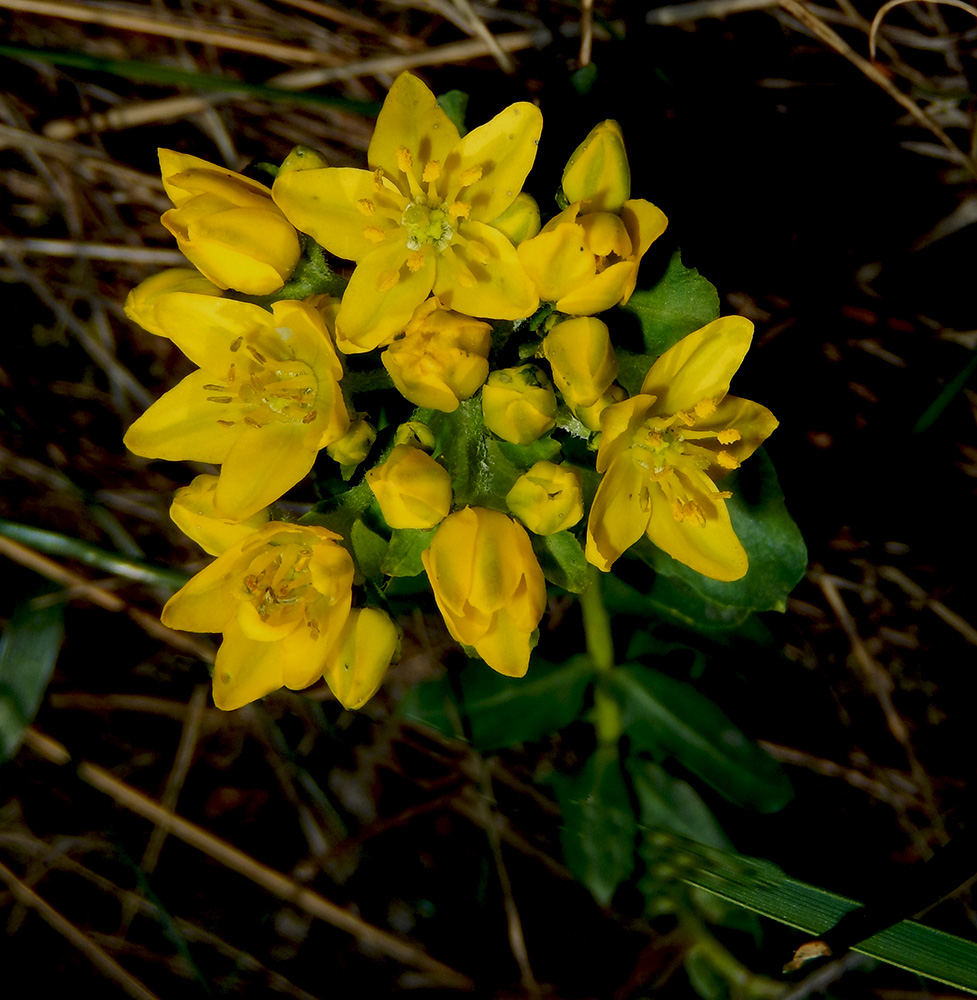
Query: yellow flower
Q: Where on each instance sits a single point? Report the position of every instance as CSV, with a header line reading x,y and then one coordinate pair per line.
x,y
587,262
520,221
265,399
581,358
368,643
598,170
519,404
355,444
421,217
589,416
193,512
227,225
141,302
488,585
281,596
413,490
441,359
547,499
662,451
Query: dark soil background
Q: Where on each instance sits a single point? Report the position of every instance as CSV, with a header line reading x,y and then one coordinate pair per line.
x,y
808,197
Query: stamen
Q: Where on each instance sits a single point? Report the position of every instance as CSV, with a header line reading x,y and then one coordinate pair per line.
x,y
461,209
309,417
366,206
405,161
727,461
226,423
236,344
375,234
251,422
470,176
705,407
257,355
415,261
678,510
220,399
216,388
432,172
694,513
721,495
729,436
230,375
386,280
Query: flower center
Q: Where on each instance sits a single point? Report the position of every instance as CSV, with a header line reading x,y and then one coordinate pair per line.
x,y
427,226
277,582
270,391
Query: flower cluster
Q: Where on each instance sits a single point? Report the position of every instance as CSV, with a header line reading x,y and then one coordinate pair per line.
x,y
433,396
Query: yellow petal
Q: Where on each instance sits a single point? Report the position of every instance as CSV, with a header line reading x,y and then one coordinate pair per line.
x,y
410,118
617,423
182,425
326,204
141,302
712,548
504,149
367,645
598,170
260,467
501,290
700,365
645,223
374,310
450,560
619,514
245,670
557,261
303,657
505,647
192,511
172,163
208,601
601,292
754,424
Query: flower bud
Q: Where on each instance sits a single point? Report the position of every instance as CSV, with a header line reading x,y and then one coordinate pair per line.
x,y
368,643
355,444
582,359
302,158
519,404
413,490
589,416
488,586
547,498
227,225
520,221
441,359
141,302
598,170
193,512
416,434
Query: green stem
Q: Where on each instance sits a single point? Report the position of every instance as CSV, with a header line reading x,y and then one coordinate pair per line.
x,y
600,646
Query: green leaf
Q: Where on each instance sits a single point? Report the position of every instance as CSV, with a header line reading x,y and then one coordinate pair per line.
x,y
773,542
764,888
454,104
53,544
663,714
503,710
599,826
681,302
29,649
369,550
562,560
403,556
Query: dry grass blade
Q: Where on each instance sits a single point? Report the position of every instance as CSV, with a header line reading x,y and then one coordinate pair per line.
x,y
220,850
885,8
870,70
104,962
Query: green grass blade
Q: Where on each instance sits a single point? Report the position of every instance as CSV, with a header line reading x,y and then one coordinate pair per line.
x,y
53,544
29,649
932,412
764,888
143,72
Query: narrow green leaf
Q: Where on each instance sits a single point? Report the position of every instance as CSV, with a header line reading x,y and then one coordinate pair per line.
x,y
53,544
599,826
503,710
29,649
663,714
764,888
681,302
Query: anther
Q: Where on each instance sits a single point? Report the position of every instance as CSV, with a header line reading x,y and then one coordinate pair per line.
x,y
256,354
461,209
693,512
366,206
216,388
309,417
386,280
404,160
375,234
705,407
729,436
470,175
220,399
678,510
236,344
727,461
226,423
415,261
230,375
432,172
